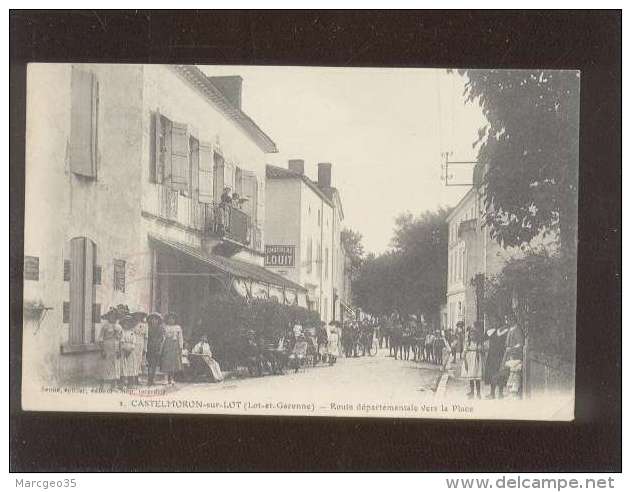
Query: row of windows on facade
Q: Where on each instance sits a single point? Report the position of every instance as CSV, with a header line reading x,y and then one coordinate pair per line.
x,y
178,160
457,264
81,312
319,258
183,163
319,217
31,272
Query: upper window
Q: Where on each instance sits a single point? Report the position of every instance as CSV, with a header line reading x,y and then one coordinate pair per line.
x,y
119,275
84,116
310,255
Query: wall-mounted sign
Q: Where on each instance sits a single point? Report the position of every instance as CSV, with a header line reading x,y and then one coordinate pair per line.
x,y
281,256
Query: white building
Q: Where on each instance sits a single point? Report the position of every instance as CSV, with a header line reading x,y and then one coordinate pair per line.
x,y
303,224
125,165
473,253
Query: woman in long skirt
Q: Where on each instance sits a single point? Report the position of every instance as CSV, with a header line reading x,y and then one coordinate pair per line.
x,y
109,339
128,352
333,346
473,360
171,360
202,348
140,350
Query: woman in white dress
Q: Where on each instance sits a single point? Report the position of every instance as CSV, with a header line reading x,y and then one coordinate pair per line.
x,y
473,360
109,340
128,351
333,345
202,349
140,350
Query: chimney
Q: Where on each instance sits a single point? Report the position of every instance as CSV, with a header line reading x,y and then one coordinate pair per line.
x,y
297,166
324,174
230,86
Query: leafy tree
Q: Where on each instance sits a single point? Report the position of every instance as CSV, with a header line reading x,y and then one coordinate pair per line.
x,y
411,278
352,243
543,285
376,288
421,243
528,152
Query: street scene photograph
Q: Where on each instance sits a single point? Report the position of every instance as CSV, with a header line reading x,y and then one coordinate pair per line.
x,y
300,241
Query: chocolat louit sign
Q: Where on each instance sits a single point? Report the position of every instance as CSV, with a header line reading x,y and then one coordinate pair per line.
x,y
280,255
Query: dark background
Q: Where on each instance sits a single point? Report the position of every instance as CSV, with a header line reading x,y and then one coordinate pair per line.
x,y
589,41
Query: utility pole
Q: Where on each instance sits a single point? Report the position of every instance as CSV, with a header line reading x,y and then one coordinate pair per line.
x,y
448,176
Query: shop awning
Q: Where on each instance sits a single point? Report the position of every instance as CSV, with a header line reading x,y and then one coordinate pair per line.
x,y
235,268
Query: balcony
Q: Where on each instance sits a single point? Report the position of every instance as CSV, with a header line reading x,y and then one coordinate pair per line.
x,y
210,219
231,223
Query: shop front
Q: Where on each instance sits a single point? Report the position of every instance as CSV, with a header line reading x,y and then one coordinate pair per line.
x,y
184,277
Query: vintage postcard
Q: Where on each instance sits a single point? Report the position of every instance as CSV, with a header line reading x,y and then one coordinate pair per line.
x,y
300,241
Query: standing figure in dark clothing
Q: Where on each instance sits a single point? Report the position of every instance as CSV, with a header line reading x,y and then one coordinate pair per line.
x,y
347,340
493,374
155,339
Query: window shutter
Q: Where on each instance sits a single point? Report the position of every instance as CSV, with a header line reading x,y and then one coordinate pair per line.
x,y
31,268
228,176
66,270
88,300
166,145
81,290
97,275
83,121
238,181
194,168
219,172
119,275
205,172
250,191
158,150
179,157
65,312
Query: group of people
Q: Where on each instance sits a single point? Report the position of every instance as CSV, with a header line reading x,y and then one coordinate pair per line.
x,y
133,341
227,201
317,345
357,337
495,357
407,338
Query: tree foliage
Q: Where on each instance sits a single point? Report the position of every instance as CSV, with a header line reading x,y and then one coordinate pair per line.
x,y
528,152
544,287
226,319
411,278
352,243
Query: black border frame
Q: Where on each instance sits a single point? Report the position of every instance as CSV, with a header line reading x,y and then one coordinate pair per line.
x,y
585,40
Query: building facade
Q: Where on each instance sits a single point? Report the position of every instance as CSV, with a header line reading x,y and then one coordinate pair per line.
x,y
125,170
304,218
472,257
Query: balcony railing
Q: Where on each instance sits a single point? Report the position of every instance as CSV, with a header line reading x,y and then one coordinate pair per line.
x,y
231,223
222,220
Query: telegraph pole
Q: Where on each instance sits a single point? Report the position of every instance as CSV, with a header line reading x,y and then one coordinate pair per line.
x,y
447,175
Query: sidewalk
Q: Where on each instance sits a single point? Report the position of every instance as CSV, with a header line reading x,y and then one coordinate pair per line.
x,y
451,385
